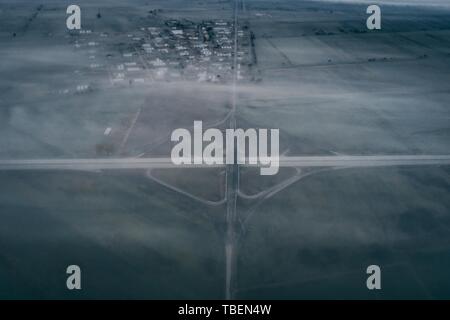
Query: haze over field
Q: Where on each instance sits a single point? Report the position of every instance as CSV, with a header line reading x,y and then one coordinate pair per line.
x,y
86,118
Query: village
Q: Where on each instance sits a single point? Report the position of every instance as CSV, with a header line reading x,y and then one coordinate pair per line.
x,y
172,50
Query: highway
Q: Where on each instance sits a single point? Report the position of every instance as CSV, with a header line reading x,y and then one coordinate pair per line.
x,y
166,163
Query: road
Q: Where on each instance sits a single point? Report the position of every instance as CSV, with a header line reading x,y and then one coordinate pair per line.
x,y
232,178
166,163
